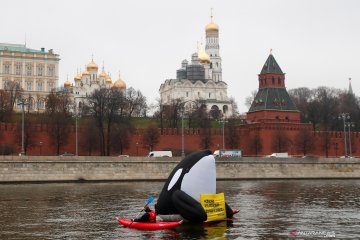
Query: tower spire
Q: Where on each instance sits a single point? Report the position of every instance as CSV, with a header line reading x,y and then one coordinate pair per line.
x,y
350,87
211,14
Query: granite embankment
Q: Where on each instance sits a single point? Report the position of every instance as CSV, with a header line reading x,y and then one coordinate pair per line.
x,y
75,168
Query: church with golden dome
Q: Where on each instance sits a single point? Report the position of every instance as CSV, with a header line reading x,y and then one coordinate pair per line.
x,y
201,79
89,80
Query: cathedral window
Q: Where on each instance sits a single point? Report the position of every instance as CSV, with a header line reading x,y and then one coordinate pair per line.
x,y
187,94
279,80
273,80
209,95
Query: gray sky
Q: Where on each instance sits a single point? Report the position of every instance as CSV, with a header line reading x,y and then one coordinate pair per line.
x,y
315,42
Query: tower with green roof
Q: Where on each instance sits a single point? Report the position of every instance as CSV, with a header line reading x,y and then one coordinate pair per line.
x,y
272,102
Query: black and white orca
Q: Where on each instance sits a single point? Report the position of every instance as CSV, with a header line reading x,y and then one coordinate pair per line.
x,y
180,196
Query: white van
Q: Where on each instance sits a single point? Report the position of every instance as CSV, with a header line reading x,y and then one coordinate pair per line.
x,y
278,155
160,154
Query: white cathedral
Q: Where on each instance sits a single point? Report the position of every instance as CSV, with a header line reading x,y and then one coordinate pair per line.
x,y
89,80
201,79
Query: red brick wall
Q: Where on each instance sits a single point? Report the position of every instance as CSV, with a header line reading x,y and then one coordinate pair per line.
x,y
171,139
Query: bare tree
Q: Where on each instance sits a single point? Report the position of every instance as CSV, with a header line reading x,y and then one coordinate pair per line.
x,y
120,136
249,100
5,106
89,140
137,102
151,137
304,141
234,107
255,142
105,105
59,118
215,112
159,113
204,122
232,134
14,90
280,140
325,142
30,133
302,98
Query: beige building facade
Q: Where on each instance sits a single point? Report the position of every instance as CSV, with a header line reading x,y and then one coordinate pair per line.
x,y
36,72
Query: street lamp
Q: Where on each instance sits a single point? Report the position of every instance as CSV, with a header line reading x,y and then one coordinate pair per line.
x,y
182,135
223,121
336,149
137,149
349,125
22,102
40,144
344,116
76,126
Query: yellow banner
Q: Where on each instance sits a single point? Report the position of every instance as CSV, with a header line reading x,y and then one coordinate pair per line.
x,y
214,205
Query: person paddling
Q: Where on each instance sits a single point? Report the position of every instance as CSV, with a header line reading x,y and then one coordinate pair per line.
x,y
148,216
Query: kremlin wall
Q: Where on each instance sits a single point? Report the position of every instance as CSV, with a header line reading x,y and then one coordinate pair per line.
x,y
171,139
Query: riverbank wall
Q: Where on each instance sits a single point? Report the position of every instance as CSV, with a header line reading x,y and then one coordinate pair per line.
x,y
78,168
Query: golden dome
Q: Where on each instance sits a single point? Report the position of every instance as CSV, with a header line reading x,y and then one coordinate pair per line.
x,y
203,56
108,79
77,77
212,27
85,72
119,84
67,83
103,74
92,66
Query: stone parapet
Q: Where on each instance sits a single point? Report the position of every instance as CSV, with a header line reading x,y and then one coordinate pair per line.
x,y
73,168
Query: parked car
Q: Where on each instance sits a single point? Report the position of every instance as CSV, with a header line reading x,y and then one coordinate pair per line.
x,y
160,154
278,155
67,154
124,156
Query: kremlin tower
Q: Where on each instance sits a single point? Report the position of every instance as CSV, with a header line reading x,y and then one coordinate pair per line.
x,y
272,102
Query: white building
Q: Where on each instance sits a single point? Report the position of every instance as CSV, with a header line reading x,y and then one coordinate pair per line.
x,y
202,78
89,80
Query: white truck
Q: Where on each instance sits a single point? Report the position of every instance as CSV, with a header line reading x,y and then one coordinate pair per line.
x,y
160,154
278,155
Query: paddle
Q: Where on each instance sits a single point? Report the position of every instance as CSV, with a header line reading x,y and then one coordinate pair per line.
x,y
149,201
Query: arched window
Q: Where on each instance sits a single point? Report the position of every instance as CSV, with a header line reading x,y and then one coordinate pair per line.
x,y
273,80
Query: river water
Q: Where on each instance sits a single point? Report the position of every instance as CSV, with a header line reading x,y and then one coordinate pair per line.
x,y
282,209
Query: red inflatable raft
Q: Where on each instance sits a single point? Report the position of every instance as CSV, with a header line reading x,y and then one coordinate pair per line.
x,y
147,225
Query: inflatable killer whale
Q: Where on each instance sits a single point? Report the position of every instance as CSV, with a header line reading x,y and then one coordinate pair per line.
x,y
180,196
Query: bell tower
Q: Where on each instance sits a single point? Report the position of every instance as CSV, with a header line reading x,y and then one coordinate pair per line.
x,y
212,48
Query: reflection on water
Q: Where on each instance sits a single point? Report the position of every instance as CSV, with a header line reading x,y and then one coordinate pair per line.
x,y
268,209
